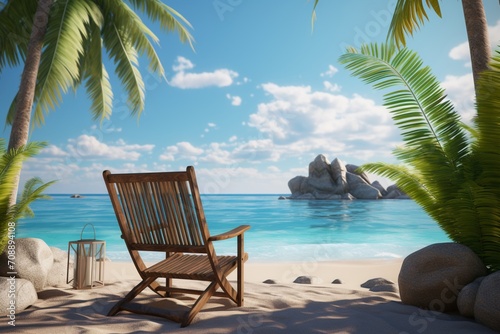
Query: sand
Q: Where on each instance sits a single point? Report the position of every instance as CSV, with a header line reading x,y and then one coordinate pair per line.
x,y
285,307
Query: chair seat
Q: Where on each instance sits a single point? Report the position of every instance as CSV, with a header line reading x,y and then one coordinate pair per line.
x,y
188,266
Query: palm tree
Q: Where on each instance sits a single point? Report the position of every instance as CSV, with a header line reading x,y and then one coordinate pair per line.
x,y
453,174
10,166
409,15
62,44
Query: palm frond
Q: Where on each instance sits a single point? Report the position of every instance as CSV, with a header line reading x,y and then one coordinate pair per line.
x,y
16,20
169,19
33,190
10,167
123,53
313,16
418,105
95,75
59,67
408,16
454,178
137,33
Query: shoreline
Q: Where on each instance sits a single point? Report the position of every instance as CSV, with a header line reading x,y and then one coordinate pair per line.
x,y
285,307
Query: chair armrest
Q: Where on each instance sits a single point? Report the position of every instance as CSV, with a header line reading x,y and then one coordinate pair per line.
x,y
230,234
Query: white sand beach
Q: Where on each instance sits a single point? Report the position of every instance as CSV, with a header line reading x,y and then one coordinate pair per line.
x,y
285,307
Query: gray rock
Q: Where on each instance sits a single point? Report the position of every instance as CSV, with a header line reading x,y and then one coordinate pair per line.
x,y
379,285
296,185
320,177
270,281
326,196
337,181
306,280
339,176
23,295
336,281
348,197
34,259
487,307
379,187
393,194
384,288
307,196
58,272
353,169
467,298
366,192
432,277
360,188
375,282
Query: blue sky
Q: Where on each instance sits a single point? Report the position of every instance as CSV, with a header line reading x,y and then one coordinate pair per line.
x,y
259,97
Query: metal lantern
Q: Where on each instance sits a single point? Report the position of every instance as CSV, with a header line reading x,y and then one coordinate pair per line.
x,y
88,262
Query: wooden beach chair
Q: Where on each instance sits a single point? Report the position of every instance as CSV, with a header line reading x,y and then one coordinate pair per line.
x,y
163,212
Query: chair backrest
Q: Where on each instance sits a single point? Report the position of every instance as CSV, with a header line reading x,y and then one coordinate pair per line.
x,y
159,211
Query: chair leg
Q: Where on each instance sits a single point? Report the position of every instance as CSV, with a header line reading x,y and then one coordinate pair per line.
x,y
200,302
131,295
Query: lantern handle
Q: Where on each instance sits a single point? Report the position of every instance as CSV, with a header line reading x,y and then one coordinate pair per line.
x,y
81,234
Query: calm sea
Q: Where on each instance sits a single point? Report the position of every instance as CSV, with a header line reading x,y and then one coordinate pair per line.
x,y
282,230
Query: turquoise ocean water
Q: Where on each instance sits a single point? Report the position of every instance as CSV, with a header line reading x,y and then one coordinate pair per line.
x,y
282,230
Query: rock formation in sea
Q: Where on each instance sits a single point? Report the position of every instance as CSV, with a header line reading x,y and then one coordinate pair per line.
x,y
337,180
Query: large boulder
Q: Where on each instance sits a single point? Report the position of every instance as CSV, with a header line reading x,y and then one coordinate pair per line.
x,y
487,306
58,273
360,189
296,185
339,176
467,298
432,277
380,188
320,177
354,170
34,260
17,294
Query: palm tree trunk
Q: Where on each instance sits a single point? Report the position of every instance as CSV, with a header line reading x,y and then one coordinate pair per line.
x,y
477,33
21,124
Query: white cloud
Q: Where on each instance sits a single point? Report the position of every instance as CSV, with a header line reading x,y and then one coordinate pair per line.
x,y
273,169
53,151
460,52
182,150
297,120
330,72
460,90
89,147
216,153
333,88
235,100
186,80
239,179
182,64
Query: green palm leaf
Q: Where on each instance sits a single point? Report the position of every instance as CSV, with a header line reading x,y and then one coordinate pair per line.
x,y
169,19
10,166
137,32
15,33
408,16
59,66
125,56
454,178
95,75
